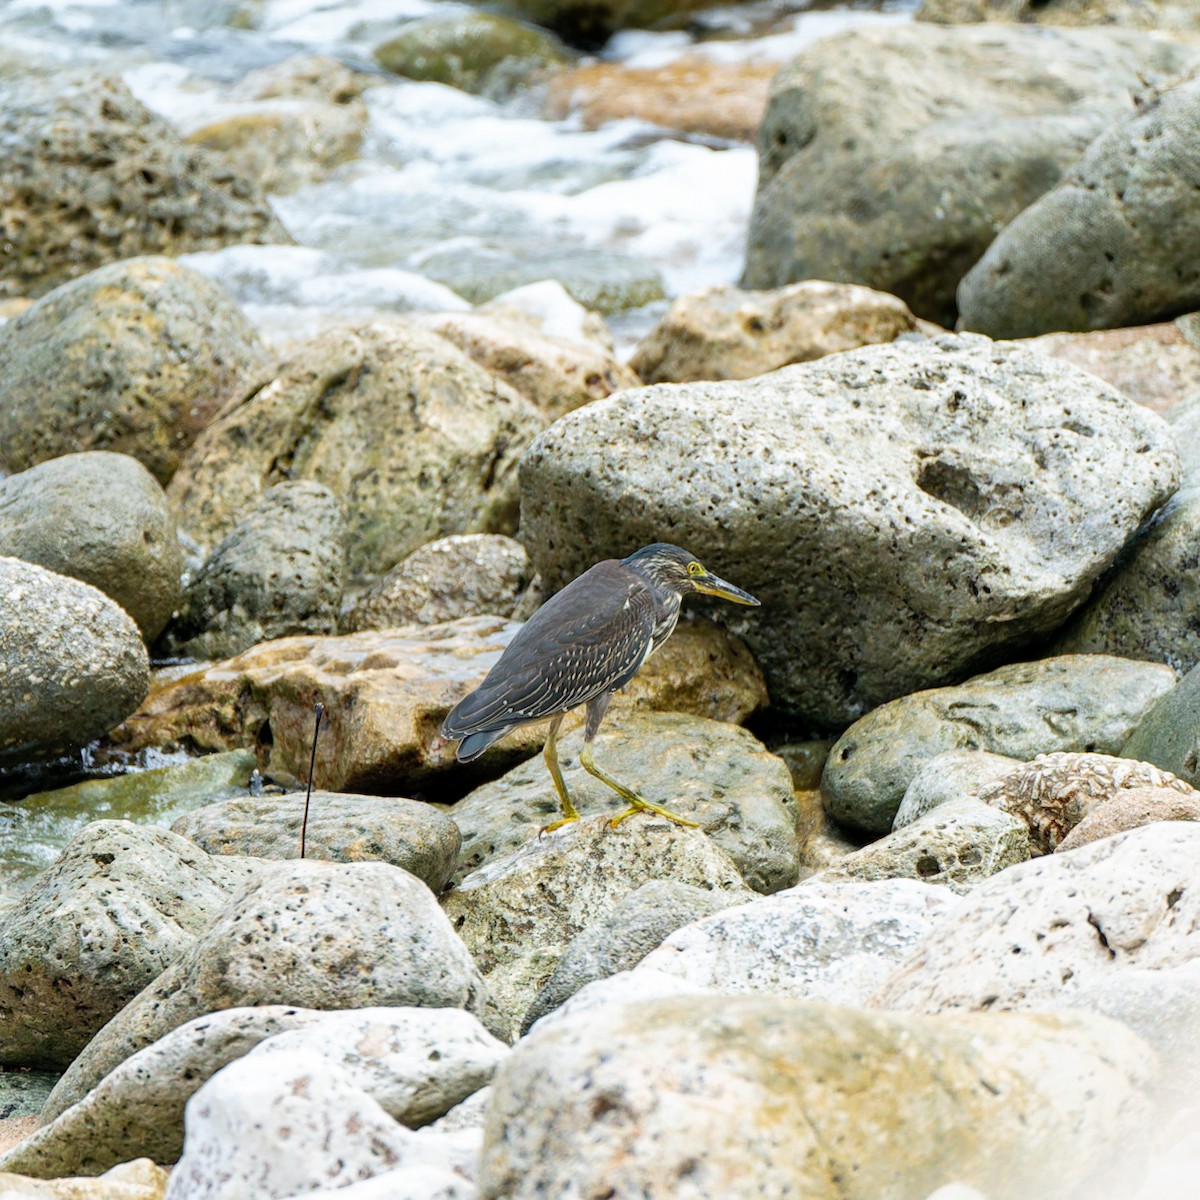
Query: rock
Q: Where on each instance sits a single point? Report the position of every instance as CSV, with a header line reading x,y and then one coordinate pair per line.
x,y
1131,808
72,663
824,940
890,541
960,845
319,935
23,1093
690,94
341,828
1114,243
1153,15
137,357
92,176
548,306
122,903
466,576
138,1180
331,416
1184,419
864,178
637,924
101,518
518,913
708,771
555,374
388,692
589,23
625,988
827,845
1073,702
277,573
806,760
952,775
1169,734
725,333
1055,792
638,1098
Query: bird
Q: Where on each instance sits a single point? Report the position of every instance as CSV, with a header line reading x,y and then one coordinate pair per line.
x,y
581,646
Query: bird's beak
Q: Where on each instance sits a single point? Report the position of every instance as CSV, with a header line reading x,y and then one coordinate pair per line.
x,y
711,585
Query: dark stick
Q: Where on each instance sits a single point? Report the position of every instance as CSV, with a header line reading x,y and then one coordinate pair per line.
x,y
319,709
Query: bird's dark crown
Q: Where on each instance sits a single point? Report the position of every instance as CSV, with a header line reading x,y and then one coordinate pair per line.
x,y
666,565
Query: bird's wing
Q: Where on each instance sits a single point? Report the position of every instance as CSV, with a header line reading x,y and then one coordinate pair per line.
x,y
589,638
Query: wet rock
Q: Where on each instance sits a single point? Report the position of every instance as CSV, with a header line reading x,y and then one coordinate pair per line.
x,y
472,575
1073,702
318,935
331,416
277,573
890,542
951,775
388,692
555,374
137,357
691,94
1169,734
72,663
1114,243
138,1180
1131,808
959,845
101,518
637,924
91,176
824,940
121,904
517,914
725,333
707,771
341,828
864,178
1152,15
624,1099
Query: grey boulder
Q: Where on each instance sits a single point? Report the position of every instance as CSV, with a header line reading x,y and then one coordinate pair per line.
x,y
1169,734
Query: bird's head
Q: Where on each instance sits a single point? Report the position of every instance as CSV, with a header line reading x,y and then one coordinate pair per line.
x,y
672,567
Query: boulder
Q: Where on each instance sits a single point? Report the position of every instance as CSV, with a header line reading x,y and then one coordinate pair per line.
x,y
1114,243
341,828
1131,808
726,333
1072,703
122,903
92,176
442,462
23,1094
865,178
900,510
277,573
102,518
707,771
951,775
137,1180
1152,15
318,935
763,1095
72,661
466,576
1169,734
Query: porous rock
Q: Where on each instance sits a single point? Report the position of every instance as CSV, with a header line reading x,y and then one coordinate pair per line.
x,y
951,775
137,1180
899,510
1131,808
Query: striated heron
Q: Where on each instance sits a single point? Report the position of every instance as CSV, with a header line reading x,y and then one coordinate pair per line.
x,y
578,648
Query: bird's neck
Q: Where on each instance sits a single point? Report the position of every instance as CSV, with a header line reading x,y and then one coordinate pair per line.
x,y
665,616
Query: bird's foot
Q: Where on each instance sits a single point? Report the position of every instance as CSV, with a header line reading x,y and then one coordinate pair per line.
x,y
557,824
637,804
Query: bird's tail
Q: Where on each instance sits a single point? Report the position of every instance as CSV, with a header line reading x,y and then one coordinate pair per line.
x,y
474,744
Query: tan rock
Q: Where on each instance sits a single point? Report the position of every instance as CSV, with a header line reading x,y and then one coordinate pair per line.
x,y
1152,15
1131,808
137,1180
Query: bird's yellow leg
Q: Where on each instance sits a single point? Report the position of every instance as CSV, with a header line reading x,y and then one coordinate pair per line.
x,y
570,813
635,802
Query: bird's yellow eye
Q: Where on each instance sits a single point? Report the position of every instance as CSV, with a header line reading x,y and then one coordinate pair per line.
x,y
694,568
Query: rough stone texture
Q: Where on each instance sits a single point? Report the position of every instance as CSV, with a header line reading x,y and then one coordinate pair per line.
x,y
1151,15
952,775
899,510
121,904
137,1180
1114,243
869,177
137,357
72,663
625,987
389,692
637,924
1073,702
1131,808
1169,734
466,576
101,518
341,828
91,176
442,462
707,771
277,573
319,935
786,1097
1055,792
517,914
22,1095
552,373
726,333
824,940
